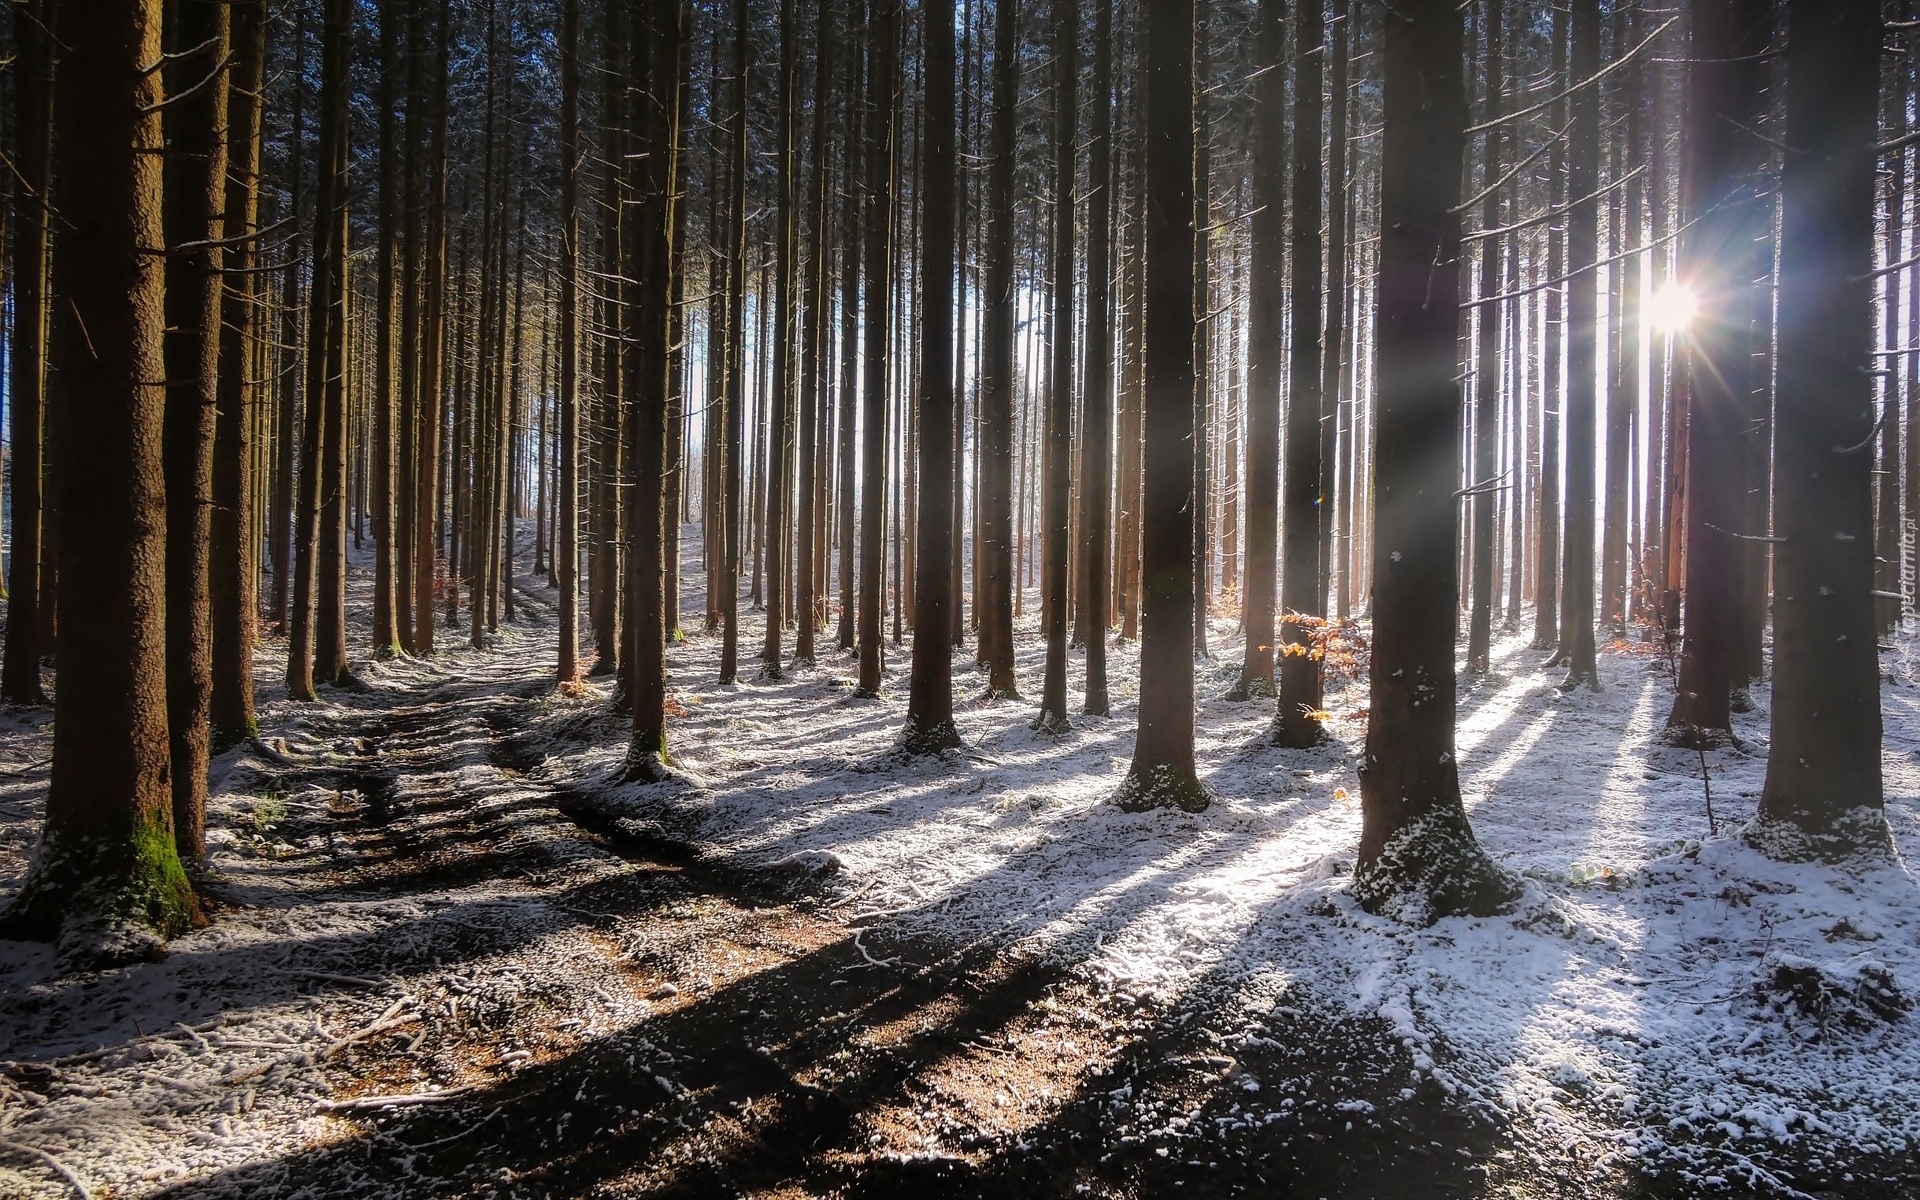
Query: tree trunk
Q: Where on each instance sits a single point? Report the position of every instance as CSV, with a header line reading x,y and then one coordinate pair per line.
x,y
330,618
195,189
567,523
1162,771
1418,858
657,88
407,412
813,365
231,572
1546,585
882,110
956,532
1202,590
780,404
1096,471
1266,347
1823,791
386,635
607,452
282,521
851,187
996,367
1720,209
1296,723
1583,348
1486,391
26,401
1335,385
433,308
732,543
108,883
1059,416
930,725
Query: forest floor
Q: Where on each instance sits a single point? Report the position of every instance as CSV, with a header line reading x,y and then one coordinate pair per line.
x,y
449,955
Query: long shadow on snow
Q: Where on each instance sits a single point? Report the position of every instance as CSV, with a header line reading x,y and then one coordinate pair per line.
x,y
779,1077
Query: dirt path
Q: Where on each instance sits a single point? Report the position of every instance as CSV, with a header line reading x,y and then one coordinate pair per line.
x,y
438,968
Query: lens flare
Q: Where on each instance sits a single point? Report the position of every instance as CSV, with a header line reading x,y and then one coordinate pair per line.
x,y
1671,309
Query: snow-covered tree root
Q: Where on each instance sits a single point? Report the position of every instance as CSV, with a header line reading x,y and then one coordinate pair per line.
x,y
1856,836
1432,868
105,901
1162,787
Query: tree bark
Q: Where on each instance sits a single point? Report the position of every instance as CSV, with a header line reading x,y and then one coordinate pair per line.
x,y
386,633
1418,858
1335,380
330,617
1720,208
282,522
1486,390
780,405
1296,722
996,367
877,321
567,523
26,401
1583,348
195,125
813,364
1266,348
1058,434
1202,34
108,883
1096,471
851,187
433,308
732,542
232,575
930,725
1823,796
1162,771
657,100
1546,586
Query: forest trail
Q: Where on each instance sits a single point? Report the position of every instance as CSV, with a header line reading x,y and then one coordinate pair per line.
x,y
450,956
404,909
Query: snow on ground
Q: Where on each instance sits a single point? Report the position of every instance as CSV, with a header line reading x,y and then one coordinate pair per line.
x,y
1660,997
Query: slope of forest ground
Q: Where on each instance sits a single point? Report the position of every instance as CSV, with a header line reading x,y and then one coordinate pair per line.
x,y
449,955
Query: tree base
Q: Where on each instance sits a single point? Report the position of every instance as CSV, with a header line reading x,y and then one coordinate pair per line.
x,y
1162,787
221,739
1856,836
1740,700
1256,688
1577,679
346,681
1051,725
937,738
864,693
647,765
105,903
1433,868
1682,735
772,672
1300,735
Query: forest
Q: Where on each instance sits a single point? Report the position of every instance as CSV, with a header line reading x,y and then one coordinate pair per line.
x,y
960,598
